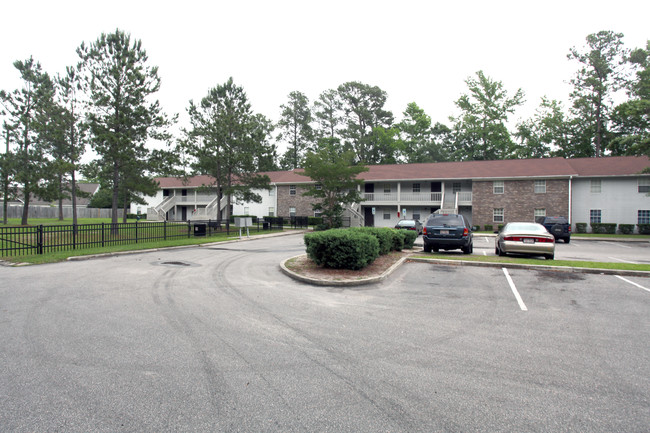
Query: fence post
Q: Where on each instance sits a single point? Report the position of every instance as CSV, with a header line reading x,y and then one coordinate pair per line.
x,y
40,239
103,234
136,231
165,229
189,229
74,236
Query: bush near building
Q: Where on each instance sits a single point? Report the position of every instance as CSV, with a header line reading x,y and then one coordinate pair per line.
x,y
355,248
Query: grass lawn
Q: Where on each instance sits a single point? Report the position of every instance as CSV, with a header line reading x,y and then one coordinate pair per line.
x,y
63,255
11,222
532,261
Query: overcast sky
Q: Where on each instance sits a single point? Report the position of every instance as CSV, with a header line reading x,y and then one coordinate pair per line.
x,y
416,51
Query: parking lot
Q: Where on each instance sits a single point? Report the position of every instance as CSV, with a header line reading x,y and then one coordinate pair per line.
x,y
217,339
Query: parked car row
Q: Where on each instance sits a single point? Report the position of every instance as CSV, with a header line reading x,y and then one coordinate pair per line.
x,y
452,231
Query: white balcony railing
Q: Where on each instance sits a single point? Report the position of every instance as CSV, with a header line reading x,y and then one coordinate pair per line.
x,y
380,196
464,198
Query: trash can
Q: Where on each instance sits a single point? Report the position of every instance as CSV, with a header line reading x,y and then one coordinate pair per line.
x,y
200,229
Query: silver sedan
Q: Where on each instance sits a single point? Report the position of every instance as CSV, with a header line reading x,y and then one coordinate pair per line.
x,y
525,238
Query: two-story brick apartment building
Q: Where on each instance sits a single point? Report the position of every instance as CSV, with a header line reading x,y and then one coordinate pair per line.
x,y
487,192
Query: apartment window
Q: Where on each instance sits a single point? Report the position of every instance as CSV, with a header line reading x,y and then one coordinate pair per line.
x,y
416,187
387,188
292,211
540,186
497,215
595,186
271,211
317,214
318,186
271,192
497,187
644,185
416,214
455,187
644,217
594,216
386,215
247,211
292,189
539,213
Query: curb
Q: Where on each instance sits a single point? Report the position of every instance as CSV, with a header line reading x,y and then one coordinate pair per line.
x,y
533,267
340,283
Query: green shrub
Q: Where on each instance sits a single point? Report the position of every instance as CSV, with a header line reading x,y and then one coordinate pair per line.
x,y
409,238
488,227
342,249
500,227
384,236
314,221
626,229
581,227
644,229
603,228
398,237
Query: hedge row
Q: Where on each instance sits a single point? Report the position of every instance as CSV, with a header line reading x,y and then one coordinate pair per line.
x,y
610,228
355,248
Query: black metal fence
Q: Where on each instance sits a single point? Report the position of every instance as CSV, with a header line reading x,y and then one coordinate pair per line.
x,y
43,239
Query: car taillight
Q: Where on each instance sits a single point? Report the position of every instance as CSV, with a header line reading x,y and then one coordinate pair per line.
x,y
551,240
465,231
512,238
411,228
569,229
424,230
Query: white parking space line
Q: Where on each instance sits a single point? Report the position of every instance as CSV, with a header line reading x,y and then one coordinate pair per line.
x,y
514,290
487,240
624,261
633,283
615,244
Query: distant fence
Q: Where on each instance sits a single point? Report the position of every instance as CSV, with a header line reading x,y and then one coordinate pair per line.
x,y
53,212
43,239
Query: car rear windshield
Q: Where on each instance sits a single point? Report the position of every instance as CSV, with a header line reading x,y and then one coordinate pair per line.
x,y
406,223
446,220
556,220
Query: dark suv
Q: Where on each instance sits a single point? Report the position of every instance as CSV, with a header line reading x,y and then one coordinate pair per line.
x,y
559,227
447,232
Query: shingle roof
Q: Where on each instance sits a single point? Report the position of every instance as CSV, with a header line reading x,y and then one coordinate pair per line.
x,y
610,166
475,170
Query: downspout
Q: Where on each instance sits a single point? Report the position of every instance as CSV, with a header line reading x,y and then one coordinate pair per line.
x,y
570,204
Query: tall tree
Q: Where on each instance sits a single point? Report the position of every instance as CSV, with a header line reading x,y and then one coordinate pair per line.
x,y
74,135
7,168
265,159
363,111
224,141
27,110
122,118
327,112
600,75
336,182
295,129
418,137
547,133
480,132
631,119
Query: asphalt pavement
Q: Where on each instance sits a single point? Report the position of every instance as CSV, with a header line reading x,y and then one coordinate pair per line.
x,y
216,338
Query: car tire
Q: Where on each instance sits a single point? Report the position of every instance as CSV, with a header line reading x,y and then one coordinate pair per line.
x,y
567,240
435,249
550,256
501,253
427,248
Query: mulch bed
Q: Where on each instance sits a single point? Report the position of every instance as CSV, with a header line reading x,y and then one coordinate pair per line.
x,y
303,265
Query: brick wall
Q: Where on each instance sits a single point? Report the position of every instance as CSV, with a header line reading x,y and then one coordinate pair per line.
x,y
519,200
286,201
